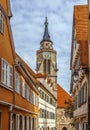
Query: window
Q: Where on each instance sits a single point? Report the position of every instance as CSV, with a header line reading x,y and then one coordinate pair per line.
x,y
13,122
82,95
28,91
23,88
6,73
29,123
50,100
46,114
79,99
48,67
17,82
36,100
40,113
23,123
31,96
20,123
33,127
1,22
31,119
85,92
44,66
0,121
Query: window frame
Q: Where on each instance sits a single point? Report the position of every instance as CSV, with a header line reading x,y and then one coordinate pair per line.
x,y
17,82
6,73
23,88
1,22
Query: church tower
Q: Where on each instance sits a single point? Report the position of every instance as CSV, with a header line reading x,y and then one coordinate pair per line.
x,y
46,62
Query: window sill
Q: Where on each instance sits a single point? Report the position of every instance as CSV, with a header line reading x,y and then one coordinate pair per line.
x,y
3,85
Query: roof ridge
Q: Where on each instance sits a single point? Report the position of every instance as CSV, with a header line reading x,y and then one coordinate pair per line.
x,y
64,90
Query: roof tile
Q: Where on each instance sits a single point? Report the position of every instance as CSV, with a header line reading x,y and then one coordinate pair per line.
x,y
81,21
62,96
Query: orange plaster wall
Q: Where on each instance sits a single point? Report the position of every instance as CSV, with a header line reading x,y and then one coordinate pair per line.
x,y
21,102
5,117
5,45
4,4
6,95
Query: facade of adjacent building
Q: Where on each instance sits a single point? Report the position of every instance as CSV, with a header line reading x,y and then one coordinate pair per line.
x,y
46,64
64,122
18,88
79,66
47,104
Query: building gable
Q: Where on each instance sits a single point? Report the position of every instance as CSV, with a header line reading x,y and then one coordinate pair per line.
x,y
6,39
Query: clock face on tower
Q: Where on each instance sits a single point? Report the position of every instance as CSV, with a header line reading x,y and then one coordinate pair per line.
x,y
46,55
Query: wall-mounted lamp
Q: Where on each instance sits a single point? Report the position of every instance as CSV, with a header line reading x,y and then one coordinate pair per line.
x,y
75,76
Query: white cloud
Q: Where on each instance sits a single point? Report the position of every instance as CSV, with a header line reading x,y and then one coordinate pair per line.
x,y
28,28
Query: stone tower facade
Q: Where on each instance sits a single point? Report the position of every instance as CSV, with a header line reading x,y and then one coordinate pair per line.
x,y
46,62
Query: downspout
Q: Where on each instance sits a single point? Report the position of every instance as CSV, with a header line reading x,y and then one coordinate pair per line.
x,y
14,99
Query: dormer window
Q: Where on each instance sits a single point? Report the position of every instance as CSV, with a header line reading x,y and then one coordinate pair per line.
x,y
1,22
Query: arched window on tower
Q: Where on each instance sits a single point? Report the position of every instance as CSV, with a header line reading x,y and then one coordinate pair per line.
x,y
46,66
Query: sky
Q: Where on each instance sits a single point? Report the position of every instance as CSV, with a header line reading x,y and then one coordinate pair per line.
x,y
28,28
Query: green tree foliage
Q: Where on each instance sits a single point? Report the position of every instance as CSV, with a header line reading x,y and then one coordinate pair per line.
x,y
69,110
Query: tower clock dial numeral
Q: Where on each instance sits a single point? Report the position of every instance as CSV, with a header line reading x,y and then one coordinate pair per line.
x,y
46,55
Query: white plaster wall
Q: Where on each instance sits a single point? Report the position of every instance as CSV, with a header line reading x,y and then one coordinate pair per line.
x,y
43,121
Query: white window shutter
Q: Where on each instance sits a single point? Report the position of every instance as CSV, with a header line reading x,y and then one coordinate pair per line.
x,y
8,77
11,76
1,22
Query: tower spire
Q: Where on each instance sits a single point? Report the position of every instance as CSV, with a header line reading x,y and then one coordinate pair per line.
x,y
46,35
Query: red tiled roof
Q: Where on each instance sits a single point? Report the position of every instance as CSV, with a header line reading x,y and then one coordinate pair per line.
x,y
81,21
62,96
81,26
